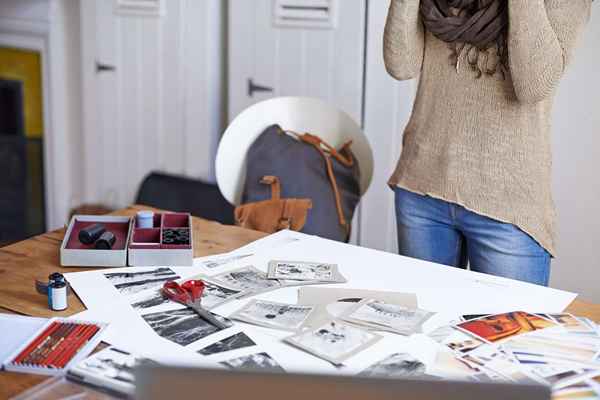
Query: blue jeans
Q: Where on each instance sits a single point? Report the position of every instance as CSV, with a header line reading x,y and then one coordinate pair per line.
x,y
446,233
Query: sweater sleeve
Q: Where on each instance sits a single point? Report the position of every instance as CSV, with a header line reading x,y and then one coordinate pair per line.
x,y
542,37
403,40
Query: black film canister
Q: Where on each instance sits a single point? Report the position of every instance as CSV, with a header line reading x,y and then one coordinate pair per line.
x,y
56,277
106,241
90,234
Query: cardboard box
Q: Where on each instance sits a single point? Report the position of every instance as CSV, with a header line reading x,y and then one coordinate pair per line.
x,y
150,247
157,246
73,253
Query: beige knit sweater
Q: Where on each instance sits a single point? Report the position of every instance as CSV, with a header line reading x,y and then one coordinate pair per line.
x,y
485,143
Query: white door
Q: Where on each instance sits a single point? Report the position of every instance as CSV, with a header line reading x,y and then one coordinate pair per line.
x,y
152,90
296,48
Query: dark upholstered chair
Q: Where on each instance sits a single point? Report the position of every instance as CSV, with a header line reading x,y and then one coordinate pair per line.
x,y
178,193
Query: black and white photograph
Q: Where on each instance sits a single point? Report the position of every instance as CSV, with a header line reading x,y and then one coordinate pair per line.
x,y
111,368
398,365
213,296
219,261
288,317
234,342
149,299
399,319
182,326
254,362
334,341
303,271
129,283
247,279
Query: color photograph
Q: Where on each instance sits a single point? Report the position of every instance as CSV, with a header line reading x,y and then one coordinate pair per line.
x,y
494,328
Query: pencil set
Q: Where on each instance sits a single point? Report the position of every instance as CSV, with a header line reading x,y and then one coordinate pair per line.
x,y
59,343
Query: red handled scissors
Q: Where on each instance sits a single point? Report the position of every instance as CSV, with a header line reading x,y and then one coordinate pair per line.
x,y
190,294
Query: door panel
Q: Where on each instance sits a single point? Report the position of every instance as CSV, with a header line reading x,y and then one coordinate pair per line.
x,y
323,63
161,106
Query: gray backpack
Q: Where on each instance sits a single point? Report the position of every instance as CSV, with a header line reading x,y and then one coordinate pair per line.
x,y
306,169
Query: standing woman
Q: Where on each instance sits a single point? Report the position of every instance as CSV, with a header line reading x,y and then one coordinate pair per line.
x,y
474,179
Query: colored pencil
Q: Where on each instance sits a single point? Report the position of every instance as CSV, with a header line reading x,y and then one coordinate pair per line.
x,y
68,345
86,337
55,341
56,345
36,343
64,343
83,339
39,352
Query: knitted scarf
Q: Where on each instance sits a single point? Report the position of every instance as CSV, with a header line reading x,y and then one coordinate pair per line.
x,y
477,27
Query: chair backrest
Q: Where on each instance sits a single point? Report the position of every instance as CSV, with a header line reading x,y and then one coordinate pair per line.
x,y
178,193
300,114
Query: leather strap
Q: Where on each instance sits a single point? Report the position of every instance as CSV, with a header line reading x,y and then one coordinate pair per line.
x,y
327,153
285,222
275,186
286,217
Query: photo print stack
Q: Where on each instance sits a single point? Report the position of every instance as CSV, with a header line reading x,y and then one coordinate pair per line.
x,y
381,316
558,350
249,280
335,341
111,368
294,273
287,317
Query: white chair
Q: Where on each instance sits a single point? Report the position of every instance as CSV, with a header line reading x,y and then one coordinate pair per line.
x,y
299,114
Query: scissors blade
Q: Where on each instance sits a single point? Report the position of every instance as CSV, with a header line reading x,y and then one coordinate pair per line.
x,y
208,316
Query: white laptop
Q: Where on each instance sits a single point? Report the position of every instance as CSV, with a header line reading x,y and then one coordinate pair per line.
x,y
159,382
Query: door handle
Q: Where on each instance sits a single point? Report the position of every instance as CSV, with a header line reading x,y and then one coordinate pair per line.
x,y
254,88
104,67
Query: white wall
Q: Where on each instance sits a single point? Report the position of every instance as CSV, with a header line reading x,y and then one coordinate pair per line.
x,y
162,106
576,144
388,104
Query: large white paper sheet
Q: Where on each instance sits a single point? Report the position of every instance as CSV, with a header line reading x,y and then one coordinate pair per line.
x,y
237,256
438,288
448,291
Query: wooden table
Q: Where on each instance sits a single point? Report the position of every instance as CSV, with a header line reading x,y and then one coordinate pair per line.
x,y
22,263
